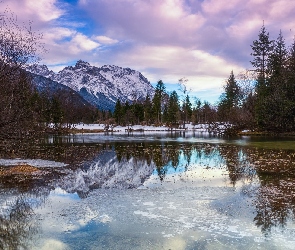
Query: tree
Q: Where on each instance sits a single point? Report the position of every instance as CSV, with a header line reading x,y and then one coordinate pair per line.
x,y
173,108
277,59
196,111
18,46
57,112
158,101
274,109
138,113
187,109
229,100
277,107
261,51
118,112
186,105
208,113
148,110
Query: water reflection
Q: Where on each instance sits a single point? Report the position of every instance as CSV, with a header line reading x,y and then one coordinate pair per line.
x,y
18,226
266,176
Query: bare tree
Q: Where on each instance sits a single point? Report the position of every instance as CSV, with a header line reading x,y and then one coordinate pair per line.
x,y
19,45
186,111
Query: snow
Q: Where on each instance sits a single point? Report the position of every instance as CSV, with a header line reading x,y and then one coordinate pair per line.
x,y
140,128
31,162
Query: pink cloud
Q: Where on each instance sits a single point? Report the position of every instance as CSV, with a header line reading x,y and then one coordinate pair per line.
x,y
227,29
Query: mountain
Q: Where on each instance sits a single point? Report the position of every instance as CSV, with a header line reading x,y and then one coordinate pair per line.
x,y
50,87
100,86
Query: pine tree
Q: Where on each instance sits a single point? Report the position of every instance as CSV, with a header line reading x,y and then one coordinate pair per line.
x,y
118,112
158,101
187,108
56,112
261,50
173,108
229,100
148,110
277,60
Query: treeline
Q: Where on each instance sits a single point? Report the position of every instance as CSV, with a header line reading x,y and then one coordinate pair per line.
x,y
164,108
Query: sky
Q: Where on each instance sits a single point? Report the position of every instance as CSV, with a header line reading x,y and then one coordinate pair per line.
x,y
199,40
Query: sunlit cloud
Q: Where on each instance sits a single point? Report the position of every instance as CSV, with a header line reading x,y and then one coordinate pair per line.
x,y
45,9
83,43
105,40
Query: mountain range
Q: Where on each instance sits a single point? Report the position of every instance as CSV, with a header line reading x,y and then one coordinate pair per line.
x,y
99,86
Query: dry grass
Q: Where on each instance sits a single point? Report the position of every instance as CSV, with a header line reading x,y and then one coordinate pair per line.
x,y
22,169
79,131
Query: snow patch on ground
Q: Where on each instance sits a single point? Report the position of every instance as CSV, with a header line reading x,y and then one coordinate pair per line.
x,y
32,162
141,128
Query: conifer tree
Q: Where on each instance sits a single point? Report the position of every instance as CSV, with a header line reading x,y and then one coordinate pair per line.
x,y
277,60
187,109
148,110
229,100
261,50
118,112
158,101
173,108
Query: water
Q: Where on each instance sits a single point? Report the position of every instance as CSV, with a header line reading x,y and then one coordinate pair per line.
x,y
148,191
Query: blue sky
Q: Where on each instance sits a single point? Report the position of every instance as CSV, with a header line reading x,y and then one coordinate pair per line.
x,y
202,40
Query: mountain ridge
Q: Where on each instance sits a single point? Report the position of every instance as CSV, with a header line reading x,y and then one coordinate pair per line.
x,y
100,86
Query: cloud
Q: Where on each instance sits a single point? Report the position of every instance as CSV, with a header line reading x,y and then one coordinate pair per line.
x,y
105,40
45,9
39,12
176,61
66,45
153,21
168,39
81,43
170,63
210,25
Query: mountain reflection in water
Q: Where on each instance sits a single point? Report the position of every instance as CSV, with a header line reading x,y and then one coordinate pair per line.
x,y
265,176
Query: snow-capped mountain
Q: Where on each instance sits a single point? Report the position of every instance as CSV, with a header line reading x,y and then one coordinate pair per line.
x,y
101,86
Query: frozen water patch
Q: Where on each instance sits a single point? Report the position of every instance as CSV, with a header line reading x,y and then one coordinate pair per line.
x,y
105,218
32,162
196,217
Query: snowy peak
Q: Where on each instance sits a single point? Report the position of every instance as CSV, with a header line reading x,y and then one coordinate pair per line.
x,y
81,64
101,86
40,70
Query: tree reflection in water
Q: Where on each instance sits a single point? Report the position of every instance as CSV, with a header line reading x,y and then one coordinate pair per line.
x,y
274,199
18,226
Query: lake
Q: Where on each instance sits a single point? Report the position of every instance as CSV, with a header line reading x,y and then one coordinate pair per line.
x,y
148,191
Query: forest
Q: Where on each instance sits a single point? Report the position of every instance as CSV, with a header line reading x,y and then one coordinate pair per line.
x,y
260,99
